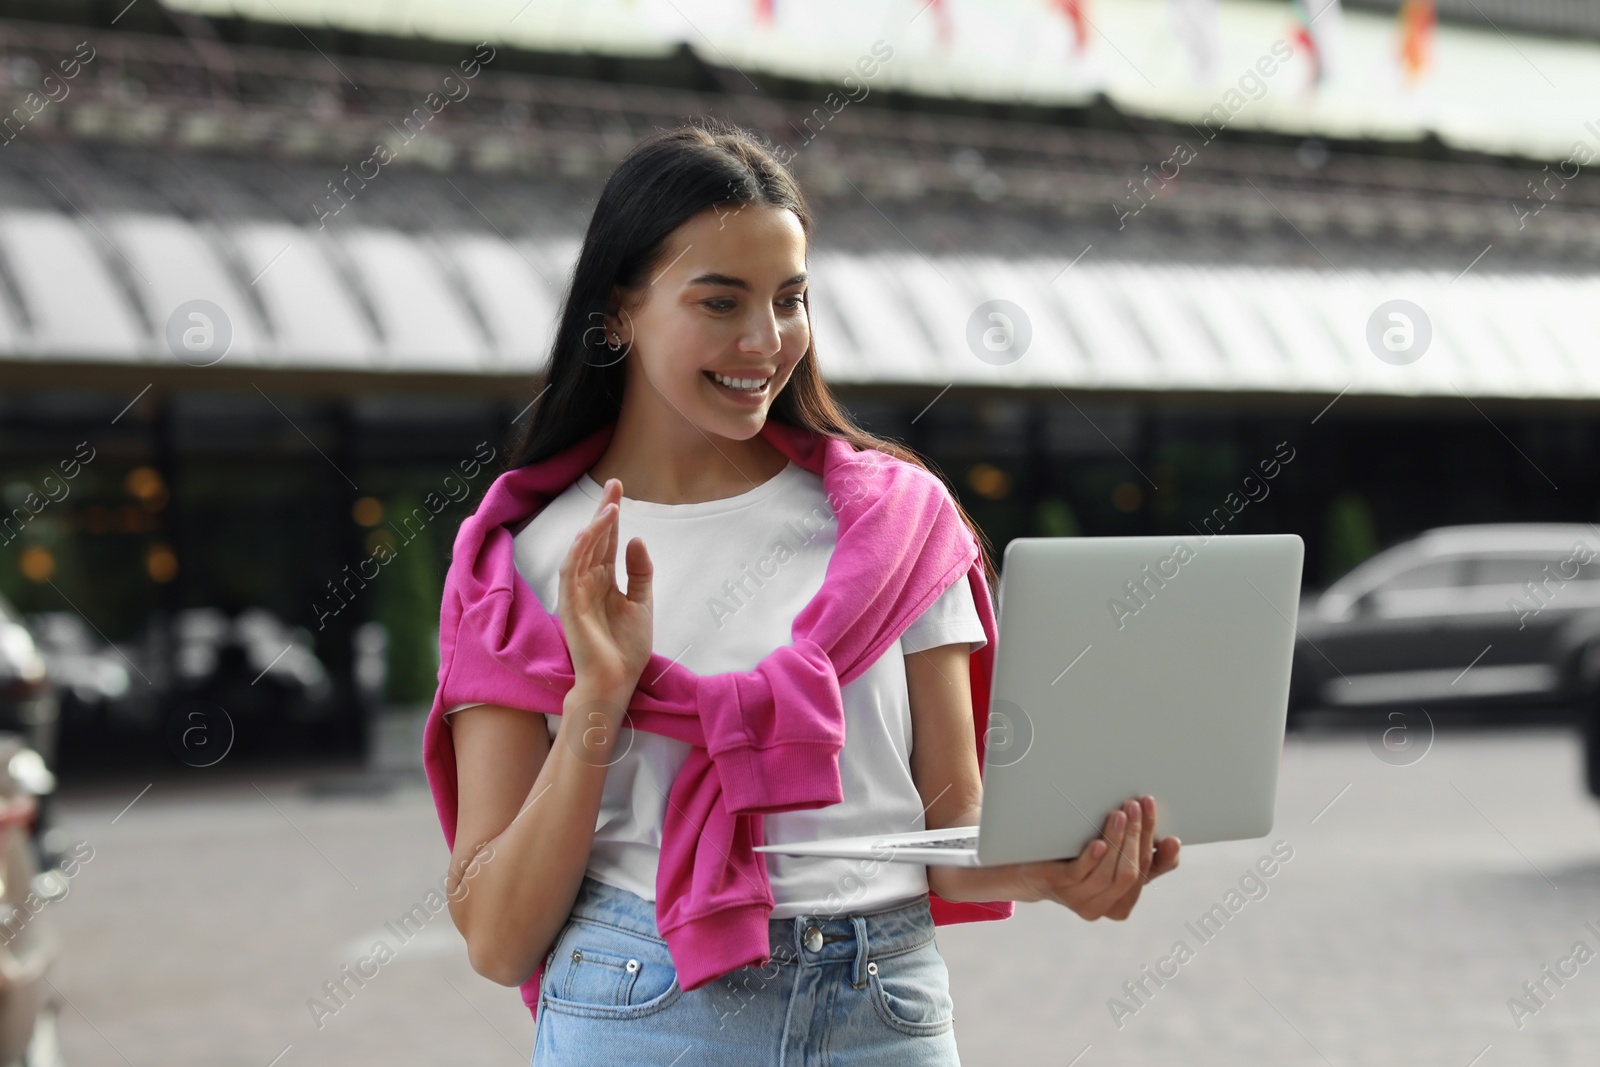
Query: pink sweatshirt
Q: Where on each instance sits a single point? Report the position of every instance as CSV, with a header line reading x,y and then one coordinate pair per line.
x,y
765,740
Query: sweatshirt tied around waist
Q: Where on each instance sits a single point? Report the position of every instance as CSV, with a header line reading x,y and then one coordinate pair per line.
x,y
764,740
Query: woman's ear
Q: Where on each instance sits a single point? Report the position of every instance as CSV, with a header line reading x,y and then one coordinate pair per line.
x,y
618,322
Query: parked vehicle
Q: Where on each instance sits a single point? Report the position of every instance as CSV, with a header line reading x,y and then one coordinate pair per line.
x,y
1461,616
27,695
98,687
29,705
205,673
29,876
29,942
264,676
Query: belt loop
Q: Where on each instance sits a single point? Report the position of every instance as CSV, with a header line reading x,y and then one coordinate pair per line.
x,y
863,949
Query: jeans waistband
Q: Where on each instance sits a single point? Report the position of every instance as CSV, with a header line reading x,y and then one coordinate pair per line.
x,y
808,939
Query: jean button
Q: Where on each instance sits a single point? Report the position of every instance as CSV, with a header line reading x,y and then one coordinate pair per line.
x,y
813,939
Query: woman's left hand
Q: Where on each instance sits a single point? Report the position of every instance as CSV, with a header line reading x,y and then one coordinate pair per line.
x,y
1105,880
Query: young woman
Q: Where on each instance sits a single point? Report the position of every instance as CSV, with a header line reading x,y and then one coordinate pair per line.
x,y
686,329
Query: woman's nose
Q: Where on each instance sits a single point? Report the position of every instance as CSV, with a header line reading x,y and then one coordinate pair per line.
x,y
762,335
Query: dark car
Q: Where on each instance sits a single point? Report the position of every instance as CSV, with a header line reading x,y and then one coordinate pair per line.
x,y
1461,617
97,684
249,673
206,676
29,705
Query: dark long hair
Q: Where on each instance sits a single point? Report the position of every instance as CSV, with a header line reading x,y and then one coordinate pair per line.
x,y
670,177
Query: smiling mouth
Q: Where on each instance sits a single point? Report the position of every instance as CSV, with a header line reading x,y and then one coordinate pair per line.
x,y
739,385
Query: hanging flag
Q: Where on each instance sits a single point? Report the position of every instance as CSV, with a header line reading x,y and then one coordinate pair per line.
x,y
1315,31
941,20
765,12
1073,12
1418,18
1198,26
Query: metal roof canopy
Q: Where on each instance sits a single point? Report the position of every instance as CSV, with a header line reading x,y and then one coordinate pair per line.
x,y
1520,94
384,302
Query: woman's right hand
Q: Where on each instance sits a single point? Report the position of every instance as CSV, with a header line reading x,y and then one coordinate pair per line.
x,y
608,632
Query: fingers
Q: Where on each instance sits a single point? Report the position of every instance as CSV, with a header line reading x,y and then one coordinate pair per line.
x,y
1060,878
1119,869
1085,884
1130,864
1080,868
611,494
1105,880
1105,872
1147,808
640,572
637,560
1166,858
585,550
594,536
575,560
1137,864
600,535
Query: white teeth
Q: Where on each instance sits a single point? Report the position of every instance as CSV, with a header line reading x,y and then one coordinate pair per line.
x,y
747,384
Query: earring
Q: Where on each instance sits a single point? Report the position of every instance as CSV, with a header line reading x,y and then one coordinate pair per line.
x,y
615,343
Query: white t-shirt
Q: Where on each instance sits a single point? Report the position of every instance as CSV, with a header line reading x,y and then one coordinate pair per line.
x,y
730,576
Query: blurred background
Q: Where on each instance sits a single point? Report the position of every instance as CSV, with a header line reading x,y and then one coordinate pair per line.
x,y
277,279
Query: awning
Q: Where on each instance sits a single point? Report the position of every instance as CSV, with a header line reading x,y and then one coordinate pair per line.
x,y
384,301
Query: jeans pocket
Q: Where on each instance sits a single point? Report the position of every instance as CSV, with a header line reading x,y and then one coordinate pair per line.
x,y
603,971
911,991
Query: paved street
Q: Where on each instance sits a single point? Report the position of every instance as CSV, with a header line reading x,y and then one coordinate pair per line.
x,y
1417,900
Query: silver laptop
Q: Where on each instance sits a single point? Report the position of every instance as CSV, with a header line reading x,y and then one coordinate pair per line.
x,y
1124,666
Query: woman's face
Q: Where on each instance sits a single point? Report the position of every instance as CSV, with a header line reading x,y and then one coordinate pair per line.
x,y
728,303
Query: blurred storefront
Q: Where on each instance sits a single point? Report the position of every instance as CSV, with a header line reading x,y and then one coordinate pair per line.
x,y
265,363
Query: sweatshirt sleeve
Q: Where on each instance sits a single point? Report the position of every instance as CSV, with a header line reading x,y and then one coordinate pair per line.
x,y
775,733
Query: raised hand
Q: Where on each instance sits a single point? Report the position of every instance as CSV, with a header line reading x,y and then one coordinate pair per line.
x,y
608,632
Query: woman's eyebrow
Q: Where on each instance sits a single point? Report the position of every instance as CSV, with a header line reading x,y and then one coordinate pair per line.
x,y
738,283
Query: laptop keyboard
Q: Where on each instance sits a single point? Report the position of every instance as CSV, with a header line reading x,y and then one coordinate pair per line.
x,y
948,842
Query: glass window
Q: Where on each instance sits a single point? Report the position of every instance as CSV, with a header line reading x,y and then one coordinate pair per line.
x,y
1438,574
1519,570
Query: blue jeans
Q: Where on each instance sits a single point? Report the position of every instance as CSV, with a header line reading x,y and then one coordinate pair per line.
x,y
839,992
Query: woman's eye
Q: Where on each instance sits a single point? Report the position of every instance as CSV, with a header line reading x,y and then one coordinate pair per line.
x,y
789,303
